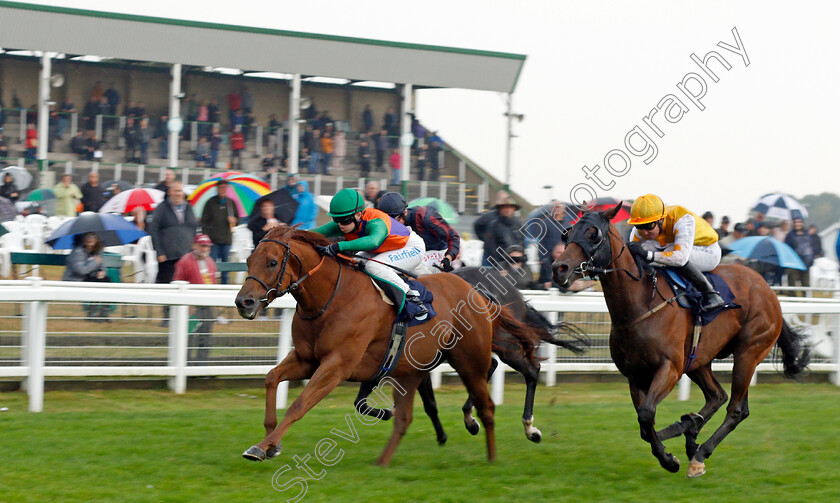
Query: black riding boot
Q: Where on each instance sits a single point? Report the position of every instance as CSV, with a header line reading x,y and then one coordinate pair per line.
x,y
414,297
711,299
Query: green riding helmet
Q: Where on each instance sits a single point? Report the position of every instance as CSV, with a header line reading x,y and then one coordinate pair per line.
x,y
346,202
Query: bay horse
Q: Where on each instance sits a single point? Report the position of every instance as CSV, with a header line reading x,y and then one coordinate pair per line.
x,y
490,283
341,330
651,346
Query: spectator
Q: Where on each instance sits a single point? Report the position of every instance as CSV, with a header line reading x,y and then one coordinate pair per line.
x,y
144,137
514,267
499,229
710,218
198,268
324,120
215,146
364,157
723,231
217,221
103,109
546,280
315,151
762,229
52,122
130,136
367,120
248,125
816,242
269,163
140,110
802,244
202,153
93,147
781,232
164,185
395,161
422,153
259,225
162,135
327,146
237,145
93,195
65,111
9,190
274,133
84,263
31,141
238,119
339,149
113,98
97,92
78,145
381,146
307,210
172,229
372,192
213,111
203,117
740,231
291,185
549,229
247,100
4,149
434,158
67,196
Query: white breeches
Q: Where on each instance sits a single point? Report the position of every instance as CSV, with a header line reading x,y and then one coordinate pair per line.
x,y
408,258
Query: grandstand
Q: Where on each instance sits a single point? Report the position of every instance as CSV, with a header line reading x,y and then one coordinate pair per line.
x,y
282,76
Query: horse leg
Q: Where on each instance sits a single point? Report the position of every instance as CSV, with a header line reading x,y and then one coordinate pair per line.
x,y
517,361
737,410
290,369
361,405
469,421
663,382
691,423
427,394
403,405
329,374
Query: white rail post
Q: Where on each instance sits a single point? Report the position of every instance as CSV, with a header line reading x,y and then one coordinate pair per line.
x,y
443,191
120,137
36,315
284,345
179,317
259,141
423,188
193,135
437,378
498,391
462,197
273,179
837,352
98,126
550,349
74,124
140,174
317,191
117,172
339,183
22,124
462,171
684,391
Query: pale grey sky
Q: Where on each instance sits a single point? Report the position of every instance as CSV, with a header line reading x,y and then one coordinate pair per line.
x,y
594,71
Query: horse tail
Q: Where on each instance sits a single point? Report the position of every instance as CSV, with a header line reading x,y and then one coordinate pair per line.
x,y
524,335
795,357
575,339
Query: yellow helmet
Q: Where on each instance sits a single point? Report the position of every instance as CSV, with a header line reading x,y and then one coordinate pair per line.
x,y
646,209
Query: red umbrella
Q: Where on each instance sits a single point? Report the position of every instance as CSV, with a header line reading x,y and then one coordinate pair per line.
x,y
607,203
126,201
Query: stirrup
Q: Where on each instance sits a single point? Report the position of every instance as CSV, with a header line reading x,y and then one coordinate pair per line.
x,y
711,301
414,297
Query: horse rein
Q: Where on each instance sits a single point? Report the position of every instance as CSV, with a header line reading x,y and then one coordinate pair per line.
x,y
293,286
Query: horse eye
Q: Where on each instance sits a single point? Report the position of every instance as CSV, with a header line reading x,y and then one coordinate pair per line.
x,y
594,234
272,263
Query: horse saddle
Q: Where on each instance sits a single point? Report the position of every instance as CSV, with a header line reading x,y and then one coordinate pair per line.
x,y
689,297
396,297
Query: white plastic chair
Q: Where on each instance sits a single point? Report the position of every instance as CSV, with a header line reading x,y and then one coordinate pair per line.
x,y
13,241
472,252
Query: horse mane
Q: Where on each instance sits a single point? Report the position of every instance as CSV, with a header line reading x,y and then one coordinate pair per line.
x,y
287,233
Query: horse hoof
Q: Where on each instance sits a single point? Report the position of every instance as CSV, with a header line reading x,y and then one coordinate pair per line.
x,y
274,452
386,414
473,427
670,463
535,436
442,440
254,454
696,468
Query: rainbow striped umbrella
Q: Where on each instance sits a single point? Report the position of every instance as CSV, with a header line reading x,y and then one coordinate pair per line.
x,y
243,190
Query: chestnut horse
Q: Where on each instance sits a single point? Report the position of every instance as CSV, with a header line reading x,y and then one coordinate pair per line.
x,y
341,332
651,347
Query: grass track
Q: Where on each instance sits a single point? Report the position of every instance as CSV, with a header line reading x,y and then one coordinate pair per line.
x,y
155,446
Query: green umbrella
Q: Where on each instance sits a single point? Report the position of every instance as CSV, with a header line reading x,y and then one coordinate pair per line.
x,y
445,209
41,195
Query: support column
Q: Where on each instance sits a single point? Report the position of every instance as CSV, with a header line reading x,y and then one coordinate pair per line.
x,y
405,150
44,110
509,116
174,113
294,127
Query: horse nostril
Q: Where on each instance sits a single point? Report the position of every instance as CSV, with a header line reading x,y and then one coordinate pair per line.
x,y
561,268
245,303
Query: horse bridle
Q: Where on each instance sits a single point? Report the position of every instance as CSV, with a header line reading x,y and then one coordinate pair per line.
x,y
590,267
292,285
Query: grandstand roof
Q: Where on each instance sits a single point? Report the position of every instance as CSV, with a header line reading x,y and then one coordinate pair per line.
x,y
124,36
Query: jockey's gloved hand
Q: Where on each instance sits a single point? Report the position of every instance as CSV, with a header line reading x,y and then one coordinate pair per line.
x,y
638,250
446,265
329,250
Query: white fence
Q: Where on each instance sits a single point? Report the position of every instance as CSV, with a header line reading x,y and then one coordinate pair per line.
x,y
44,308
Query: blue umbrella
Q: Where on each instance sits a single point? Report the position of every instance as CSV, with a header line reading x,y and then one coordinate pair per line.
x,y
767,249
113,230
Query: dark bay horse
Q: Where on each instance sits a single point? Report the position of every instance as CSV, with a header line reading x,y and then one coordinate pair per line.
x,y
490,283
341,331
651,350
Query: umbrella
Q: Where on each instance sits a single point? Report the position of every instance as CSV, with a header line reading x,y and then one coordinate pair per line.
x,y
40,195
243,190
767,249
126,201
445,209
21,175
113,230
7,210
781,206
285,206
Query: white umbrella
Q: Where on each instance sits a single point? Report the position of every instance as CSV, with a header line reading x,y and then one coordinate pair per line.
x,y
22,177
781,206
130,199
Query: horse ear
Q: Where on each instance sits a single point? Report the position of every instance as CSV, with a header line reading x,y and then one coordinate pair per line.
x,y
611,213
